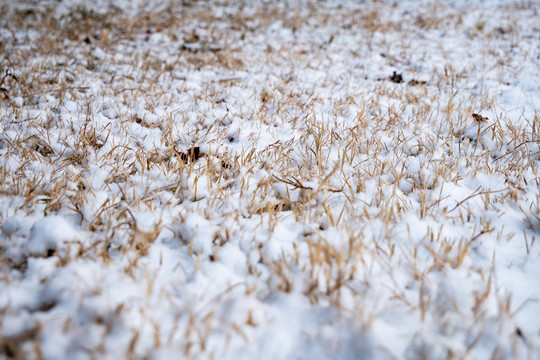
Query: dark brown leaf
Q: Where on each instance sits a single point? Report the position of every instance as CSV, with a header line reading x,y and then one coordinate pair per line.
x,y
480,118
396,78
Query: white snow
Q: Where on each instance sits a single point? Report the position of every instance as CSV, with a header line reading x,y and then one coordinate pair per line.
x,y
50,234
240,180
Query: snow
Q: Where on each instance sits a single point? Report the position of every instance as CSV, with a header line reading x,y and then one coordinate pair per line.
x,y
49,234
329,212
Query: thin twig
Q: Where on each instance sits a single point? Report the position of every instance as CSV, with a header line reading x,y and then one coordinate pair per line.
x,y
476,194
512,151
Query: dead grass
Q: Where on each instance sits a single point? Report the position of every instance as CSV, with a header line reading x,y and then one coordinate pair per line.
x,y
79,139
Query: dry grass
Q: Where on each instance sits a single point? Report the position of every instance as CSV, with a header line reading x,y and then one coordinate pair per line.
x,y
205,133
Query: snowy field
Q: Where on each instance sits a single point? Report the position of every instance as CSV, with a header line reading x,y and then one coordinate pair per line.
x,y
269,179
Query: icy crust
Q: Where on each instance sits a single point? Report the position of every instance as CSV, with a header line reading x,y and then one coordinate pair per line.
x,y
269,179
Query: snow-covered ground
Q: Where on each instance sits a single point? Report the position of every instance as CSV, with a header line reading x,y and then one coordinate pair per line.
x,y
270,179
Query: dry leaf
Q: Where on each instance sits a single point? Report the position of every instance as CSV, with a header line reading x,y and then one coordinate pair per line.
x,y
396,78
480,118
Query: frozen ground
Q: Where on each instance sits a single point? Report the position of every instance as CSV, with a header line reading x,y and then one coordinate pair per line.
x,y
245,180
